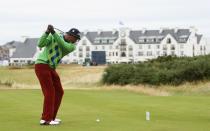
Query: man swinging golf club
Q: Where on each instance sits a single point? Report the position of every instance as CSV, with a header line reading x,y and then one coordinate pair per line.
x,y
55,48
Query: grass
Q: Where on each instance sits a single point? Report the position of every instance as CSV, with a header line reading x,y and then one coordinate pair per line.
x,y
117,111
119,108
78,77
71,76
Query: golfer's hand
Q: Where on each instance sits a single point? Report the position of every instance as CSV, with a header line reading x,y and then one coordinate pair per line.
x,y
50,29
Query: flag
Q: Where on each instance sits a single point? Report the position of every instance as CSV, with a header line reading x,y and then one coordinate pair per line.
x,y
121,23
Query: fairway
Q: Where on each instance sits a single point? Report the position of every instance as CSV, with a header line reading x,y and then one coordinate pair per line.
x,y
117,110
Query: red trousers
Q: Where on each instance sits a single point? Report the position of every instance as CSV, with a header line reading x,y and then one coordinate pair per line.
x,y
51,89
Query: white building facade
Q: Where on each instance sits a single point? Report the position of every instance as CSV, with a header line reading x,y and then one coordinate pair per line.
x,y
123,45
131,46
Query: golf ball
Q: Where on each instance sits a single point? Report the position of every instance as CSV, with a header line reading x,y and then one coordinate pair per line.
x,y
97,120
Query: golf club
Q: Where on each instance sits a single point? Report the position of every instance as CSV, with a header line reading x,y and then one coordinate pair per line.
x,y
59,30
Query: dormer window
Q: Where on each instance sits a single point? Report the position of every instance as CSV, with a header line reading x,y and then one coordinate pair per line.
x,y
104,41
111,41
84,42
141,40
169,41
97,41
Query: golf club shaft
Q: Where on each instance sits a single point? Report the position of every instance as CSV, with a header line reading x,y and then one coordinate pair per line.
x,y
59,30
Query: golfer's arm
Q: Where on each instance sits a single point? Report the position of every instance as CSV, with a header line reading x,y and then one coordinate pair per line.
x,y
69,47
44,40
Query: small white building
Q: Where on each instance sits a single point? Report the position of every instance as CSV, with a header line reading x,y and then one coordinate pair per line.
x,y
25,53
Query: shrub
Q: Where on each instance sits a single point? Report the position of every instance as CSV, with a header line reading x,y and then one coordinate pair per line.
x,y
163,70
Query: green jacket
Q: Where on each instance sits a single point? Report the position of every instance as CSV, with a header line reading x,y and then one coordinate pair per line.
x,y
48,42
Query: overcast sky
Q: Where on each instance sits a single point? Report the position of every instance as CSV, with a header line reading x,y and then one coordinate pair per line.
x,y
20,18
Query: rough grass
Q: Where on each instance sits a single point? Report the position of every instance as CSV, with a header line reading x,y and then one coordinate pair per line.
x,y
88,78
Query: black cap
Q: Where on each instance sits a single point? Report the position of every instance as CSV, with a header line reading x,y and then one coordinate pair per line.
x,y
74,32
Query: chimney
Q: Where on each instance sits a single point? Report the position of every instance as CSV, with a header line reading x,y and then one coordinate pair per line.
x,y
193,30
144,30
85,32
114,31
176,29
99,31
161,30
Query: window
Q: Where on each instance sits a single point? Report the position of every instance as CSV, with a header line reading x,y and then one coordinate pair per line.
x,y
149,46
164,47
104,41
149,53
182,46
87,48
141,40
110,47
169,41
151,40
155,40
123,41
158,53
123,54
103,47
173,53
201,48
130,48
123,48
116,53
172,47
160,39
158,46
74,54
182,53
29,61
130,54
140,53
80,55
110,53
117,47
96,48
84,42
113,53
87,54
182,40
111,41
140,47
80,48
164,53
97,41
15,60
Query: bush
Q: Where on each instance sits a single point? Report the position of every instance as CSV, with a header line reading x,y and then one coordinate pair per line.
x,y
163,70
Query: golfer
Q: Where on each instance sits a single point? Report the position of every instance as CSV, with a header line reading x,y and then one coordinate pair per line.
x,y
55,47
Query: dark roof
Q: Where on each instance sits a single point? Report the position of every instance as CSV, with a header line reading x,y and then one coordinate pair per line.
x,y
26,49
180,33
12,44
92,36
198,38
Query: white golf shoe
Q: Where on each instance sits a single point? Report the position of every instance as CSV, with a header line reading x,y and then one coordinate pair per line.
x,y
43,122
58,120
